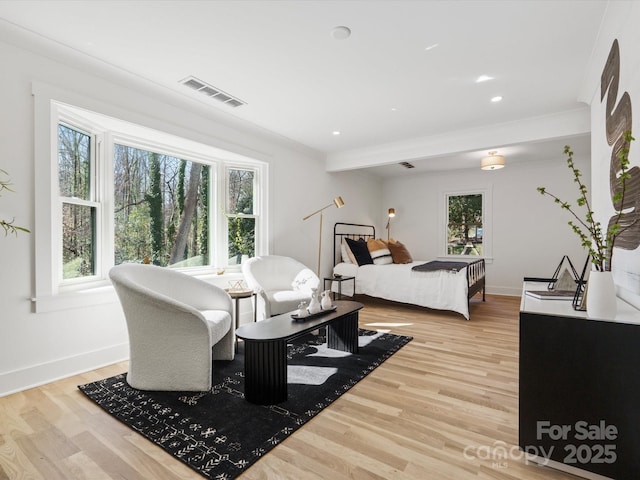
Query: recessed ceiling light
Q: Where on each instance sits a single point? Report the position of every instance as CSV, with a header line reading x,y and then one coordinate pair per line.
x,y
341,32
430,47
394,109
496,99
336,132
483,78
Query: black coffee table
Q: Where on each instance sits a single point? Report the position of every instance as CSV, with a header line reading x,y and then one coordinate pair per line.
x,y
265,348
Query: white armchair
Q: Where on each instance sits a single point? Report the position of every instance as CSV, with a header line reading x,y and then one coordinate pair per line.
x,y
177,325
281,283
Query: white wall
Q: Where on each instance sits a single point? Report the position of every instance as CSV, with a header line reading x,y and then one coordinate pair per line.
x,y
37,348
621,23
530,233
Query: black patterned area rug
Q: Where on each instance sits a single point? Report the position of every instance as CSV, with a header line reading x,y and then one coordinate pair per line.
x,y
219,434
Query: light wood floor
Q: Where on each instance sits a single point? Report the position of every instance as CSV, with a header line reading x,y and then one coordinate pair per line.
x,y
437,409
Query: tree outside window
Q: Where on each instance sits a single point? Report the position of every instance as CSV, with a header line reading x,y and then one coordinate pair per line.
x,y
241,220
137,196
464,224
79,208
161,209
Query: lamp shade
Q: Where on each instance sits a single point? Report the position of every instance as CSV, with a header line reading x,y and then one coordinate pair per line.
x,y
492,162
392,212
338,202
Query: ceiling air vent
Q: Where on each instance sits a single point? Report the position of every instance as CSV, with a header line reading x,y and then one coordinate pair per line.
x,y
212,92
407,165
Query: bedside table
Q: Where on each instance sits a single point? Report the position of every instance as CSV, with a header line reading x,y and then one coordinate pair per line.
x,y
339,280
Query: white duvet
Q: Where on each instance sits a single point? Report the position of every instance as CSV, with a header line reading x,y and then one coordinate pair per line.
x,y
442,290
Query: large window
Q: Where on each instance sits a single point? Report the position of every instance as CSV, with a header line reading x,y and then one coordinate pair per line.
x,y
129,194
161,209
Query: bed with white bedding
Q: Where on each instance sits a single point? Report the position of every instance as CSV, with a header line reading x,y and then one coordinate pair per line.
x,y
446,286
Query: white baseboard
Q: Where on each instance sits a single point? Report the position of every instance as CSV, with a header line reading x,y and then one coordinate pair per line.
x,y
36,375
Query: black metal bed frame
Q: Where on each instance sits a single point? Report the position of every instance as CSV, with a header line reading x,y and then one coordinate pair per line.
x,y
475,271
364,231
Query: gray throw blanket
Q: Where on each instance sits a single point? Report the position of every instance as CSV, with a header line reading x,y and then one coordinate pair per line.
x,y
438,265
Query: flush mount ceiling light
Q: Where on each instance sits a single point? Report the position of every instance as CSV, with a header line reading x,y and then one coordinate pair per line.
x,y
341,32
483,78
492,162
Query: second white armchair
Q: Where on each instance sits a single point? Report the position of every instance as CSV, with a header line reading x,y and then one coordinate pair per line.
x,y
281,283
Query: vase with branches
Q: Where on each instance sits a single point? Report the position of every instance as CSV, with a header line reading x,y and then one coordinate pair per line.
x,y
8,225
597,241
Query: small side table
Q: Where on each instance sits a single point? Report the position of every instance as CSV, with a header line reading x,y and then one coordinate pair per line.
x,y
339,280
237,295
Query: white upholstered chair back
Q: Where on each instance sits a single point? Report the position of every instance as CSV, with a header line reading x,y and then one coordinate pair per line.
x,y
177,325
281,282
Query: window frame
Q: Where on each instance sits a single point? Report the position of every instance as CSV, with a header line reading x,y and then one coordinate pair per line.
x,y
52,106
227,214
96,189
137,142
487,222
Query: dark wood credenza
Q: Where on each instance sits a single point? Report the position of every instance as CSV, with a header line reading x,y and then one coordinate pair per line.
x,y
579,399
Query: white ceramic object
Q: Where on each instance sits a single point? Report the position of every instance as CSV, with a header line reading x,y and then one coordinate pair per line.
x,y
325,303
314,304
302,310
601,296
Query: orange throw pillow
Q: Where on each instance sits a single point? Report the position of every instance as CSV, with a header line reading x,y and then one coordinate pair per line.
x,y
399,252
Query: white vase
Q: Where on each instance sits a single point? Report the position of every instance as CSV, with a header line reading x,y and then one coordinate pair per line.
x,y
601,296
325,303
314,304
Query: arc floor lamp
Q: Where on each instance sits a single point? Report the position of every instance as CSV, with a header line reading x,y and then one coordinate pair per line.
x,y
339,203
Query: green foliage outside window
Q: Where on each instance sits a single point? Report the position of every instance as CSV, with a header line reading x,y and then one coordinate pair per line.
x,y
241,223
160,209
464,232
78,209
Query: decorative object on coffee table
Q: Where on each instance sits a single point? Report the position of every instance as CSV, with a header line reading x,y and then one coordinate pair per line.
x,y
265,346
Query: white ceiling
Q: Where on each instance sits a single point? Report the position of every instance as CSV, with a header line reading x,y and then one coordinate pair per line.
x,y
381,86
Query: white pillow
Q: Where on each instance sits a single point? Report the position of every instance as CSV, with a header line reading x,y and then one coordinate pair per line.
x,y
345,253
381,257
